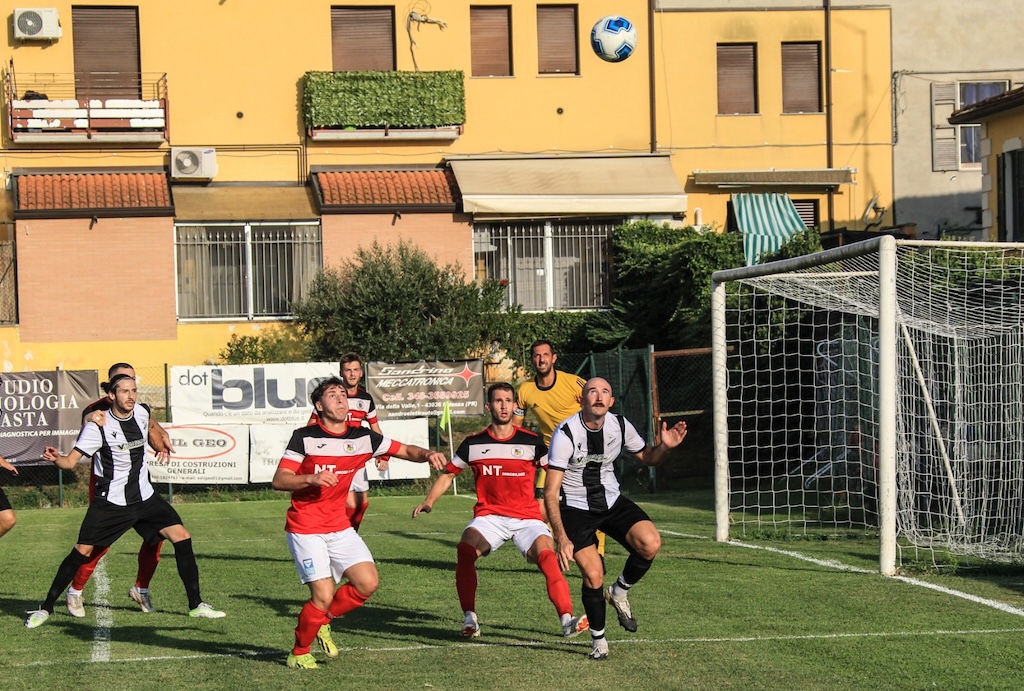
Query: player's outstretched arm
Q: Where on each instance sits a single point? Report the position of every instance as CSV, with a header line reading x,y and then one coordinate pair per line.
x,y
440,486
289,481
418,454
552,490
6,465
671,437
63,462
159,439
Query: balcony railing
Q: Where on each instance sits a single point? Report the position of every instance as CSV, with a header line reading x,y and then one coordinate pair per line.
x,y
81,107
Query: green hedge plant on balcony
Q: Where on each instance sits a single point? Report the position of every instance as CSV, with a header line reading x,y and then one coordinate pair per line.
x,y
383,99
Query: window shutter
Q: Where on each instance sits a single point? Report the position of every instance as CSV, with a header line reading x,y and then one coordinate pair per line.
x,y
807,209
363,39
557,44
490,41
106,52
801,78
945,148
737,78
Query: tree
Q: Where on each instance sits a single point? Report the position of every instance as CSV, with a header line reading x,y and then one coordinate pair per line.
x,y
396,304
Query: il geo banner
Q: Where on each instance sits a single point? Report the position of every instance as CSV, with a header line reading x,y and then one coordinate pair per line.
x,y
246,394
204,455
419,389
39,409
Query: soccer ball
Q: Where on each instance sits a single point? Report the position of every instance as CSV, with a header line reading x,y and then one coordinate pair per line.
x,y
613,38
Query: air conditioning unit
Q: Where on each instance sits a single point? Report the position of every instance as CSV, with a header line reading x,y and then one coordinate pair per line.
x,y
193,163
37,23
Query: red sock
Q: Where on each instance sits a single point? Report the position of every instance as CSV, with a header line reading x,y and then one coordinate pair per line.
x,y
84,572
356,513
311,618
465,576
558,588
345,600
149,557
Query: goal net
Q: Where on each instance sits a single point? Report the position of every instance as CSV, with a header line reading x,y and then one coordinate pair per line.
x,y
876,386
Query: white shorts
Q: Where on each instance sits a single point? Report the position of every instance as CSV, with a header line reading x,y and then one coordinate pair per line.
x,y
327,555
498,530
360,481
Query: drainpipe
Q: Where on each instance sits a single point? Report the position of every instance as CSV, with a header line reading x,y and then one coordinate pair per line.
x,y
829,154
650,74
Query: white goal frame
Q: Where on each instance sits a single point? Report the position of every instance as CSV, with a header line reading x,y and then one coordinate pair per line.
x,y
890,332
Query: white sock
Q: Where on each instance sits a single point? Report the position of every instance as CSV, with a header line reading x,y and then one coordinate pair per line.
x,y
72,591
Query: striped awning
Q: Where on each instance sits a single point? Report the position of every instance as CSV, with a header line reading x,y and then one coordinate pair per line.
x,y
767,221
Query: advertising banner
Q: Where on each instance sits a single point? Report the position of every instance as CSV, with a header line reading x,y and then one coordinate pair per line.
x,y
267,444
276,394
205,454
419,389
39,409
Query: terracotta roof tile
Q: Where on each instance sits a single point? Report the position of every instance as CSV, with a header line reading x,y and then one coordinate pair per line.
x,y
392,189
64,194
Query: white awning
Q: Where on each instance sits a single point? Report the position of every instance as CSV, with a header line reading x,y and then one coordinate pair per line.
x,y
570,185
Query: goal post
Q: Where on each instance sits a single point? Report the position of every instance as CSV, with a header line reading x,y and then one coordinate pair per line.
x,y
877,386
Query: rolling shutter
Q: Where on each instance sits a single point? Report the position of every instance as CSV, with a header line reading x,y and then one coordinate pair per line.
x,y
737,78
363,39
490,41
557,44
106,52
801,78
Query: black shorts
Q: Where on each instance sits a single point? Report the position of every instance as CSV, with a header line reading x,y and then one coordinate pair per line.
x,y
581,526
104,522
5,503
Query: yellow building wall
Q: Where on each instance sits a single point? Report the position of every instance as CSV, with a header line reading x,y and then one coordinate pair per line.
x,y
997,132
700,139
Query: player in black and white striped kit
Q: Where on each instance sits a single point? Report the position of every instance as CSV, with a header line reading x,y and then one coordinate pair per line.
x,y
582,496
124,499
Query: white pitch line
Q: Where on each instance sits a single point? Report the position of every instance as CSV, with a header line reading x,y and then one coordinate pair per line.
x,y
104,615
546,644
828,563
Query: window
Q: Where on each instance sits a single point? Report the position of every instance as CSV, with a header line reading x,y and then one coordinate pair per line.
x,y
1010,196
106,52
808,211
244,270
956,147
801,78
546,265
490,31
363,39
737,78
557,39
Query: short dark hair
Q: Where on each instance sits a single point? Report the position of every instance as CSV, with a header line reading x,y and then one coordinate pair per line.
x,y
321,388
116,366
499,386
542,342
111,386
350,356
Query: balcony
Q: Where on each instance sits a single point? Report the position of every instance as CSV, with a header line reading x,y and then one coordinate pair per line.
x,y
384,106
51,108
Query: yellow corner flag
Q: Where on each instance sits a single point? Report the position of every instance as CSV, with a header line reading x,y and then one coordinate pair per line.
x,y
446,415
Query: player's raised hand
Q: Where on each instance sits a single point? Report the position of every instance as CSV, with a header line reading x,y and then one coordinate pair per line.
x,y
422,508
437,460
50,453
672,436
97,416
382,463
6,465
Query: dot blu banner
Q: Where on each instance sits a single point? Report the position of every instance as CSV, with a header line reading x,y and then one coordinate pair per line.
x,y
40,409
419,389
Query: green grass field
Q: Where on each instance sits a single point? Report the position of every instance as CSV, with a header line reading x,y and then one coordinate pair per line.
x,y
761,615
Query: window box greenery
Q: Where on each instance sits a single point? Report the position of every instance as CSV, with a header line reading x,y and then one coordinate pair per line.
x,y
340,105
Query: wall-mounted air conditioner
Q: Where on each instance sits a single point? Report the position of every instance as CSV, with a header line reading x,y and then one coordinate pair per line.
x,y
193,163
37,23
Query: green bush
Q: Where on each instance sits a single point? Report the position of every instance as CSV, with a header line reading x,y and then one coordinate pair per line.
x,y
383,99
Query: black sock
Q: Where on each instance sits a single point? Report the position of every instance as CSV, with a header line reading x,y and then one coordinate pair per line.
x,y
635,568
65,574
188,570
594,606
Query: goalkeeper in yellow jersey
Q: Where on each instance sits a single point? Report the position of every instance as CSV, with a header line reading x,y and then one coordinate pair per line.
x,y
552,396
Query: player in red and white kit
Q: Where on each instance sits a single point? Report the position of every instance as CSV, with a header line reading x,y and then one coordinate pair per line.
x,y
317,468
504,459
361,411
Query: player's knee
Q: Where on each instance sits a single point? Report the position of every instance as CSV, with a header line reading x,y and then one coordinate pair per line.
x,y
367,585
7,520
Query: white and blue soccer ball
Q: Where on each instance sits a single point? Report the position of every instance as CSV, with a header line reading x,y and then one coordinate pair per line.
x,y
613,38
